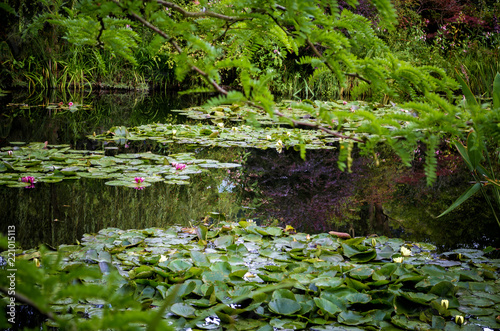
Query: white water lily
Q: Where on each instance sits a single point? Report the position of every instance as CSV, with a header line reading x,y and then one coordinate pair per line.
x,y
234,128
445,303
268,137
279,146
398,259
405,251
220,125
174,131
163,258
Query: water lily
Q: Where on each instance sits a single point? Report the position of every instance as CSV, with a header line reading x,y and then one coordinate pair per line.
x,y
163,258
268,137
405,251
139,180
174,132
234,128
29,180
398,259
70,104
10,153
344,102
459,319
220,125
279,146
445,303
178,166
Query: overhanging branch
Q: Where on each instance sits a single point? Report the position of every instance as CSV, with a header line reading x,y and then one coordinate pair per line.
x,y
171,40
206,13
329,66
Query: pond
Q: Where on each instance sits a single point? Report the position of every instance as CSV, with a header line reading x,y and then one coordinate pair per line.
x,y
311,195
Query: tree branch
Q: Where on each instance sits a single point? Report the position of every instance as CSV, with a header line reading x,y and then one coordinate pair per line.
x,y
205,13
171,40
318,54
318,126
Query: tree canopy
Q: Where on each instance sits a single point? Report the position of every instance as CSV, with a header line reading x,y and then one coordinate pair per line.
x,y
209,38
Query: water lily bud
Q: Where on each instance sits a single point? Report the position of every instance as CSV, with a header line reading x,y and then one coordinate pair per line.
x,y
288,134
9,153
374,242
445,304
174,131
398,259
37,262
459,319
405,251
268,137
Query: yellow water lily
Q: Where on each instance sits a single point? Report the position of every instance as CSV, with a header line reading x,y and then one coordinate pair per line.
x,y
405,251
445,304
459,319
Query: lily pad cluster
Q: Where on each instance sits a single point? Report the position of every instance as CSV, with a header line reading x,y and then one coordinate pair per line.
x,y
291,109
275,132
218,135
59,106
24,165
241,276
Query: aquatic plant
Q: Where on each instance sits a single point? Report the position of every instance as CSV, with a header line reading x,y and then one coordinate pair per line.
x,y
53,164
244,276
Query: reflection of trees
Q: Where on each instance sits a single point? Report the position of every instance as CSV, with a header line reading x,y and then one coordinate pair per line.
x,y
61,126
416,206
313,195
308,194
63,212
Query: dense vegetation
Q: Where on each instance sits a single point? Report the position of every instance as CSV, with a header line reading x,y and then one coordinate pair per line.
x,y
408,58
459,36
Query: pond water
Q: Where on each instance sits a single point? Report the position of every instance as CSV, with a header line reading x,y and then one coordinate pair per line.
x,y
311,195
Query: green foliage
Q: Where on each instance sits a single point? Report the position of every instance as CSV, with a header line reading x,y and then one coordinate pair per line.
x,y
163,279
486,131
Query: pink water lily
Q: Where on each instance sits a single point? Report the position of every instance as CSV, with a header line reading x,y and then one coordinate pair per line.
x,y
29,180
178,166
70,104
139,180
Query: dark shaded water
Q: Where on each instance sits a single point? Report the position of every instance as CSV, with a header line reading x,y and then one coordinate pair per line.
x,y
311,195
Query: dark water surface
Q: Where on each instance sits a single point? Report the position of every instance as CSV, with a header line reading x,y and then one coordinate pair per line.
x,y
312,195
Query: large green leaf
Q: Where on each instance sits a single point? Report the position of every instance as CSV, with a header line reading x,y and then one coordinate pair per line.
x,y
284,306
469,96
473,189
496,92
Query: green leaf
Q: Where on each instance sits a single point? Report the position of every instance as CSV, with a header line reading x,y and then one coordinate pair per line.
x,y
327,306
474,149
184,310
473,189
469,96
496,92
284,306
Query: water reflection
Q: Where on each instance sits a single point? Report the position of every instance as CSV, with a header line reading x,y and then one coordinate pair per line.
x,y
314,196
311,195
61,213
